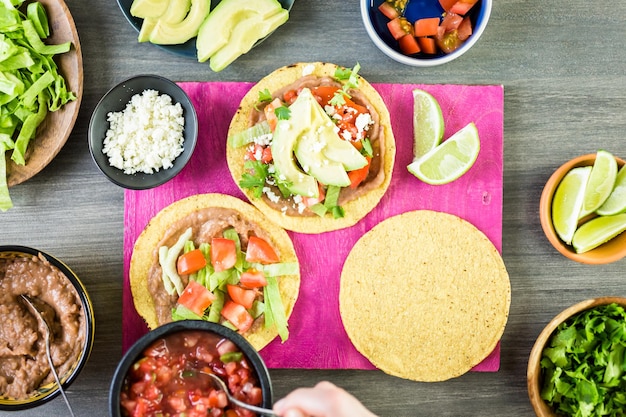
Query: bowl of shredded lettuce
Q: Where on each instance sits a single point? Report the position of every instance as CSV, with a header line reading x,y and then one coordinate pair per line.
x,y
41,85
577,365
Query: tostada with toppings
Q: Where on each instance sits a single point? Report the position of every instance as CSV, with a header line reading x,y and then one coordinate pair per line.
x,y
311,146
214,257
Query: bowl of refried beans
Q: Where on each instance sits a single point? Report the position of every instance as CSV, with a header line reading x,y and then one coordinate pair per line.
x,y
25,377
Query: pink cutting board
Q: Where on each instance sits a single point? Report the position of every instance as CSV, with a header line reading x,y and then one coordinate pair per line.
x,y
317,338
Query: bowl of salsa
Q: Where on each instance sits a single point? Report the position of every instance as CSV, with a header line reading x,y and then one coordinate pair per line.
x,y
166,373
425,33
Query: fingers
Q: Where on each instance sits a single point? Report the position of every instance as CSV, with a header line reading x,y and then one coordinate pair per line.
x,y
323,400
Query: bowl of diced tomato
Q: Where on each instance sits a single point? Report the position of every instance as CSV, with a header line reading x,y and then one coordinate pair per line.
x,y
166,373
424,33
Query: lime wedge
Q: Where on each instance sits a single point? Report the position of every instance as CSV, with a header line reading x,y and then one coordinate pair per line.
x,y
601,182
616,203
428,124
450,159
568,201
598,231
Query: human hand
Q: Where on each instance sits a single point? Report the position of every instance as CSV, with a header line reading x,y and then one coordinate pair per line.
x,y
323,400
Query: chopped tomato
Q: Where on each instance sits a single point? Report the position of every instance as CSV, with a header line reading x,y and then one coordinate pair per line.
x,y
408,45
257,152
270,113
241,295
223,253
427,45
447,4
253,279
462,7
237,315
324,93
290,96
358,175
451,21
388,10
399,27
448,41
465,29
260,251
196,297
426,27
190,262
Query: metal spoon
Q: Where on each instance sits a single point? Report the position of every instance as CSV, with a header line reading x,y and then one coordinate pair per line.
x,y
232,399
40,314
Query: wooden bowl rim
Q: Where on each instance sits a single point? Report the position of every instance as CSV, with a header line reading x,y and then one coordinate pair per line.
x,y
533,372
595,256
38,156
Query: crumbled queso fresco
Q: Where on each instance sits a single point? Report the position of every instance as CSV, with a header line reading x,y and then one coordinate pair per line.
x,y
147,136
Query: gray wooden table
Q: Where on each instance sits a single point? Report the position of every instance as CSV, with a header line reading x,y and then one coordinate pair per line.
x,y
562,64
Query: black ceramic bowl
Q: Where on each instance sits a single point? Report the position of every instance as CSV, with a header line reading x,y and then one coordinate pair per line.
x,y
115,100
49,391
136,352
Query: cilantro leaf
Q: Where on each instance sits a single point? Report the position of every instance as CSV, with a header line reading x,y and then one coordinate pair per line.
x,y
265,96
254,177
282,113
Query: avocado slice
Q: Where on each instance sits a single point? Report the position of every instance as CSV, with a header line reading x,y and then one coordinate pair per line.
x,y
148,8
218,27
245,34
312,161
165,33
146,29
176,11
297,182
321,140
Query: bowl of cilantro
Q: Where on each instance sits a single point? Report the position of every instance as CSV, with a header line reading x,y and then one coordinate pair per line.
x,y
576,366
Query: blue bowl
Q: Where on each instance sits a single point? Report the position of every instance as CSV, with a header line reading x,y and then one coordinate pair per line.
x,y
376,25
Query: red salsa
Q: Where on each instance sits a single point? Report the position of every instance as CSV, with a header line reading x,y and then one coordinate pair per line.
x,y
170,379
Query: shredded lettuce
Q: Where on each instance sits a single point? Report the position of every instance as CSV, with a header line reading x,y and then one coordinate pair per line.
x,y
278,269
6,144
30,84
584,372
271,306
274,308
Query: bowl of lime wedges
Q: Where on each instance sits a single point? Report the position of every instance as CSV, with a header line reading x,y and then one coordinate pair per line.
x,y
583,208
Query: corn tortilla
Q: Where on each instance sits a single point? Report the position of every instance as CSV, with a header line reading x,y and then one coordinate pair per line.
x,y
356,208
424,296
145,253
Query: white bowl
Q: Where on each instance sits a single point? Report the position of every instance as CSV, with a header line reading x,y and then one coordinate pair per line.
x,y
376,25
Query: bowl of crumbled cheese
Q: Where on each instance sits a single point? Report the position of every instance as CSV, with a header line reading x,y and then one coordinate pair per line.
x,y
143,132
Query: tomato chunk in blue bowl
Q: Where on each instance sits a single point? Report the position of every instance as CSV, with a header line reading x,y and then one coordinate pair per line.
x,y
424,33
166,372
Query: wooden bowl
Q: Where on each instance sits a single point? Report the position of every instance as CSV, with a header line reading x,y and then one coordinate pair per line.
x,y
611,251
57,126
534,375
